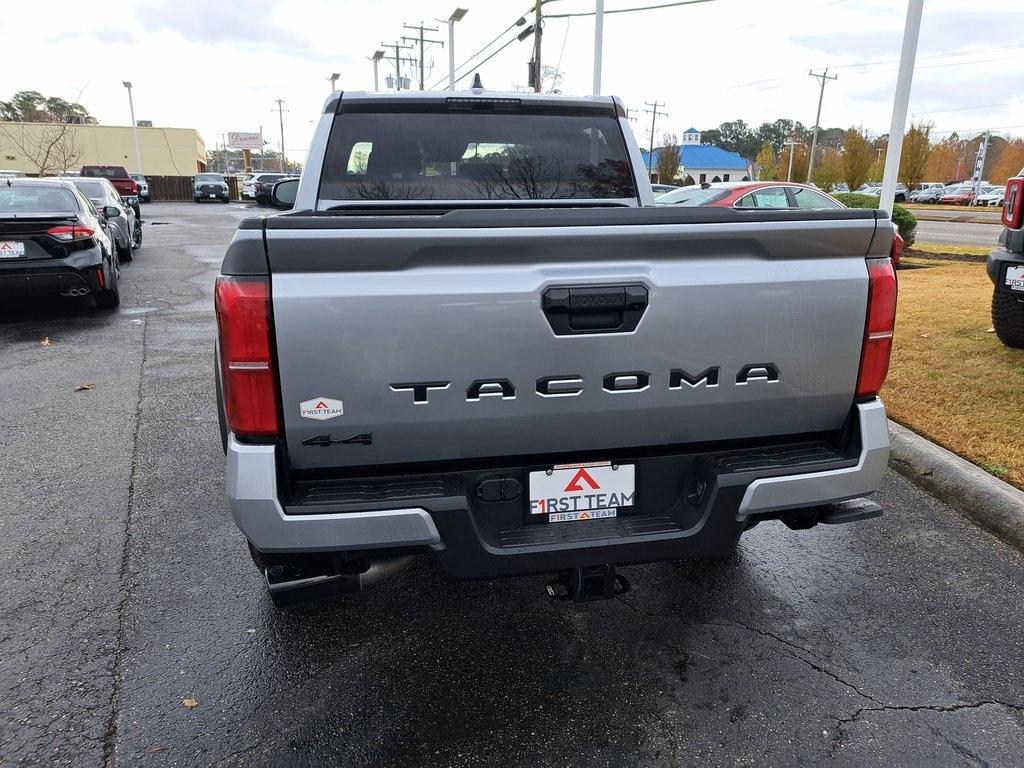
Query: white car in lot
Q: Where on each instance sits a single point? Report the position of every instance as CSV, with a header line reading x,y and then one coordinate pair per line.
x,y
249,185
991,196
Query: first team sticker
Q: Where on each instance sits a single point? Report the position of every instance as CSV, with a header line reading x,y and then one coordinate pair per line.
x,y
321,408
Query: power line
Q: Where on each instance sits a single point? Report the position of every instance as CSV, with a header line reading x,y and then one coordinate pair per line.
x,y
628,10
464,75
517,23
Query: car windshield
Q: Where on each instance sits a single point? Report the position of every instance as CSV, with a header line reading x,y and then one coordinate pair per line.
x,y
442,155
36,199
94,190
692,196
208,178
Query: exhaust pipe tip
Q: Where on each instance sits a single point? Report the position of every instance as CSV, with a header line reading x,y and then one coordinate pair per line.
x,y
288,587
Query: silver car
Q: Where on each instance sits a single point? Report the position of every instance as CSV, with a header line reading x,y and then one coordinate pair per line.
x,y
125,226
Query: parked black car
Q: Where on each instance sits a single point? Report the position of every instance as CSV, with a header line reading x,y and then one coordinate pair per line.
x,y
263,189
53,241
210,186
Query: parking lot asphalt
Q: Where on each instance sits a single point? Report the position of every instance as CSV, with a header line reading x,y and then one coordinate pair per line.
x,y
958,233
127,591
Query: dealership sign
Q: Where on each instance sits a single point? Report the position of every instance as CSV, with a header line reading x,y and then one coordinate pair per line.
x,y
238,140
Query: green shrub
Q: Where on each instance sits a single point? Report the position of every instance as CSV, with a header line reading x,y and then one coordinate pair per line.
x,y
905,221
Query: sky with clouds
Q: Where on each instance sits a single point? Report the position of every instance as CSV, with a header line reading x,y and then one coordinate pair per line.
x,y
217,65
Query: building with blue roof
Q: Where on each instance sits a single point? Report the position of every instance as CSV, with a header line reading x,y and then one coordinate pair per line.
x,y
699,163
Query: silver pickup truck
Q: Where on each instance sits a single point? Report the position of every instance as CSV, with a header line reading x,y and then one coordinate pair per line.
x,y
475,338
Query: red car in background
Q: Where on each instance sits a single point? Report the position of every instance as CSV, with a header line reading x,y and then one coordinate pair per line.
x,y
761,194
750,194
961,196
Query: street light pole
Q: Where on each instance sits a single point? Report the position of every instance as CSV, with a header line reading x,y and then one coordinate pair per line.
x,y
135,128
377,56
792,145
900,104
457,15
598,45
333,77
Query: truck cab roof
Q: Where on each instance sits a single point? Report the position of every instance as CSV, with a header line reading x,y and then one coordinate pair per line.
x,y
482,98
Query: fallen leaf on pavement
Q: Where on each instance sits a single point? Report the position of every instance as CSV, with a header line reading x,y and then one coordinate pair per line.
x,y
46,342
155,750
84,387
190,703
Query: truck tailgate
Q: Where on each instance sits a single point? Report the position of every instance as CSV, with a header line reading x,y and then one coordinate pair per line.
x,y
750,329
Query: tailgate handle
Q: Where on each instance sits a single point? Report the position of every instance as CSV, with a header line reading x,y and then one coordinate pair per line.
x,y
594,308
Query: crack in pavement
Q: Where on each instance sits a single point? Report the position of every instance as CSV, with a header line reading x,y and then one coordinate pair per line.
x,y
110,737
841,722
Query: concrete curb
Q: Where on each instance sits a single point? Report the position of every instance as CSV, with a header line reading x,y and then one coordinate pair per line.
x,y
988,501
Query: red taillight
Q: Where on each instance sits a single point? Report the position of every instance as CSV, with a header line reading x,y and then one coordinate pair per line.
x,y
70,233
897,249
247,365
1013,204
878,330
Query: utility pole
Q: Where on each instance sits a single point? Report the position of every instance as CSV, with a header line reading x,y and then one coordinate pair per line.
x,y
398,48
422,40
280,117
655,112
792,149
537,21
598,45
899,109
824,77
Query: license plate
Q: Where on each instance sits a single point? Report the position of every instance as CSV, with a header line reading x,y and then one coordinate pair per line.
x,y
11,249
212,194
1015,278
569,492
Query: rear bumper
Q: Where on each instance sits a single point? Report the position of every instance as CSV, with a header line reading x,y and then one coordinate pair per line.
x,y
998,261
471,541
51,277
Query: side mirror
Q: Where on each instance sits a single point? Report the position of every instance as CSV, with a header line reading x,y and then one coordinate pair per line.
x,y
284,192
111,211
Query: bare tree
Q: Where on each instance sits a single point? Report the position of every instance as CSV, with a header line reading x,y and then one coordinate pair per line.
x,y
51,147
668,159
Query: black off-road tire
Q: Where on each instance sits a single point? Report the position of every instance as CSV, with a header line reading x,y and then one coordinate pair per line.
x,y
1008,318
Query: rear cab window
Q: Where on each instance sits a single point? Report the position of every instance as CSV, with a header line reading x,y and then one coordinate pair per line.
x,y
431,152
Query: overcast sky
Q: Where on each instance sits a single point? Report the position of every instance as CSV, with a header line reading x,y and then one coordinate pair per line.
x,y
217,65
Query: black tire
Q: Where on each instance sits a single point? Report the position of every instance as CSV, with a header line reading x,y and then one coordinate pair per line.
x,y
226,200
110,298
1008,318
124,254
138,236
198,199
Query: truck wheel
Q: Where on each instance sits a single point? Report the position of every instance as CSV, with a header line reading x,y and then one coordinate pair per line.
x,y
1008,318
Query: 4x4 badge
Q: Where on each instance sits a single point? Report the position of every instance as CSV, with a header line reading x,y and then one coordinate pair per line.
x,y
321,408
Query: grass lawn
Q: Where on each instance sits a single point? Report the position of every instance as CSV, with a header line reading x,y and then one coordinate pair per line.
x,y
950,379
960,250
